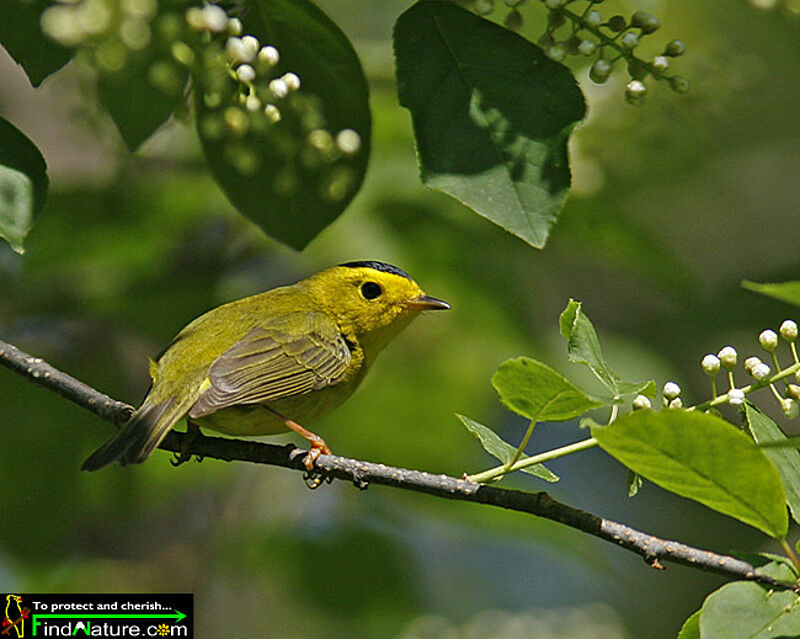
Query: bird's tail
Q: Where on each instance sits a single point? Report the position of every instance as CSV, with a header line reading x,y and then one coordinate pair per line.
x,y
139,436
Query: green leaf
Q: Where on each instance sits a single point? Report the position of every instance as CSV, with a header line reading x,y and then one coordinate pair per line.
x,y
786,460
142,95
691,627
769,564
22,37
784,291
23,184
746,609
503,451
704,458
291,199
491,114
536,391
583,347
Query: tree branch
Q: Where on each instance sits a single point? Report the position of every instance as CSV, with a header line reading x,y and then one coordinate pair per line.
x,y
361,473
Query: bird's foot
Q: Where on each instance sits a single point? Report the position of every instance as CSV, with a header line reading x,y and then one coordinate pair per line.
x,y
185,454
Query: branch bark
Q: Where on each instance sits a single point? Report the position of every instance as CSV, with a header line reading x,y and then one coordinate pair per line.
x,y
362,474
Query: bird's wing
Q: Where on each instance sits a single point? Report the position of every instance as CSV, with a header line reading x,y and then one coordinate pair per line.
x,y
272,362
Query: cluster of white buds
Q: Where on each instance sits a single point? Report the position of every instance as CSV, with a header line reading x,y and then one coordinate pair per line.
x,y
756,368
111,31
671,395
588,33
769,341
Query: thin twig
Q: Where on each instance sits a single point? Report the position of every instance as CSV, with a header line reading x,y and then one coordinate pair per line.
x,y
362,474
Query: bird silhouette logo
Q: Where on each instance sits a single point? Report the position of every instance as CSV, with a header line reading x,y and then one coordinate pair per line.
x,y
14,617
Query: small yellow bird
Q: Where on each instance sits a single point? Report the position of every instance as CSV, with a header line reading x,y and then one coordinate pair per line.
x,y
269,362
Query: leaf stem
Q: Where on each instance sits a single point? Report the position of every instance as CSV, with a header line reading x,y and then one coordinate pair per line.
x,y
499,471
723,399
790,553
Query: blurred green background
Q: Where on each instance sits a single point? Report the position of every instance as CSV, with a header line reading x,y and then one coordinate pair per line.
x,y
672,205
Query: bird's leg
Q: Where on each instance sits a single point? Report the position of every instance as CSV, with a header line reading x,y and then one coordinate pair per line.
x,y
192,434
318,445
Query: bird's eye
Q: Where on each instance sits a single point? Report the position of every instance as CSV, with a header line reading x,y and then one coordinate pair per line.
x,y
371,290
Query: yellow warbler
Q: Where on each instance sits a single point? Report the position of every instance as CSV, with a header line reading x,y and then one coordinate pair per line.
x,y
273,361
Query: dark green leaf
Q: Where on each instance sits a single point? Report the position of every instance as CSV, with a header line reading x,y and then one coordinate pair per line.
x,y
786,460
503,451
288,198
784,291
701,457
491,113
23,184
536,391
584,348
691,627
745,609
142,95
22,37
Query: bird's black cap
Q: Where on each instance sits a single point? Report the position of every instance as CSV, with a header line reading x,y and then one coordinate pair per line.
x,y
378,266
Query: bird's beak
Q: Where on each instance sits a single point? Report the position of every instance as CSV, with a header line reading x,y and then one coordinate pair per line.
x,y
427,303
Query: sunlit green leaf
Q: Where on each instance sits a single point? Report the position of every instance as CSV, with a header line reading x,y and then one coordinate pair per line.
x,y
491,114
704,458
786,460
746,609
289,197
784,291
584,348
691,627
23,184
503,451
536,391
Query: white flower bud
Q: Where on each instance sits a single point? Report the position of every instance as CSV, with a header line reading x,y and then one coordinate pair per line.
x,y
671,390
292,81
630,40
750,363
557,52
793,390
676,403
640,402
483,7
252,103
195,18
251,47
710,364
661,63
736,397
245,73
600,71
635,89
279,88
790,408
789,330
235,26
269,55
587,47
594,19
728,356
768,340
215,19
273,113
234,49
348,141
761,371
